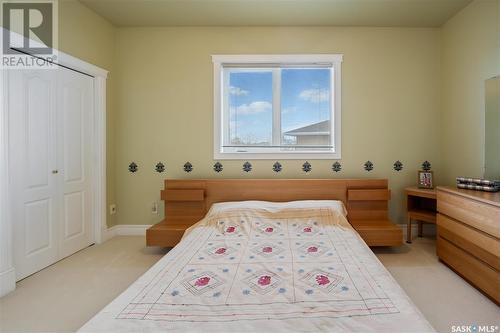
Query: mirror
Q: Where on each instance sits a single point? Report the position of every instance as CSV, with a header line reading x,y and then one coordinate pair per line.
x,y
492,129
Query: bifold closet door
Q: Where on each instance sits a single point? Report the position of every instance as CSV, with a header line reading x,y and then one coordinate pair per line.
x,y
75,102
49,163
32,166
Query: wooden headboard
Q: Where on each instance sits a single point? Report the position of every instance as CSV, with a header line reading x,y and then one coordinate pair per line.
x,y
187,201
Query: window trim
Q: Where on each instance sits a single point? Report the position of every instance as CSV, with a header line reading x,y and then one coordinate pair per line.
x,y
219,99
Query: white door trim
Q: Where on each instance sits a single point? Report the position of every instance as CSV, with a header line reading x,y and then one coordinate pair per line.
x,y
7,271
99,211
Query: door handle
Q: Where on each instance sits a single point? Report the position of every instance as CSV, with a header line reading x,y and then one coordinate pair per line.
x,y
55,171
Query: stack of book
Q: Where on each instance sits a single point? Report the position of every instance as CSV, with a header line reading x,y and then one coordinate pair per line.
x,y
478,184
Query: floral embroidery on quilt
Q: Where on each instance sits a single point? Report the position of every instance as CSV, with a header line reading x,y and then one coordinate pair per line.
x,y
267,250
273,229
220,251
230,229
201,283
308,229
263,281
311,249
321,280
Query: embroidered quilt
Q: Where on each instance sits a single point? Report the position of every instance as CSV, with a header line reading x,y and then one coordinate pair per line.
x,y
265,265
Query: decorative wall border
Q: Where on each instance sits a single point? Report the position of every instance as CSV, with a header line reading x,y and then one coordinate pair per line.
x,y
277,167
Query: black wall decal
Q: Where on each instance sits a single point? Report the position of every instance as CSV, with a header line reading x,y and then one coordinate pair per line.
x,y
277,167
218,167
306,167
426,166
336,167
247,166
160,167
398,166
132,167
188,167
368,166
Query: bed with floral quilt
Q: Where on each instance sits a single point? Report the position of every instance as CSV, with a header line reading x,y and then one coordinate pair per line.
x,y
258,266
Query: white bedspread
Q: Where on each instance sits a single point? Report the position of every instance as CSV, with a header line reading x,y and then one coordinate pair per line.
x,y
265,267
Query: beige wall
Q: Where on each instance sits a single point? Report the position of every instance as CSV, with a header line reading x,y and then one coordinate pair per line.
x,y
391,99
470,55
88,36
408,94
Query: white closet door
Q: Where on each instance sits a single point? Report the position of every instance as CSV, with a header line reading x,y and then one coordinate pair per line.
x,y
75,103
50,162
32,140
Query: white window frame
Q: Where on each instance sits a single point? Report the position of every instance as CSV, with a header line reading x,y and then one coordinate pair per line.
x,y
220,126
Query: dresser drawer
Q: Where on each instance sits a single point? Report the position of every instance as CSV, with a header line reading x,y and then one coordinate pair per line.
x,y
479,215
481,275
477,243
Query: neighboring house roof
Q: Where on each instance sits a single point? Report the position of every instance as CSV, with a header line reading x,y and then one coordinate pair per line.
x,y
321,128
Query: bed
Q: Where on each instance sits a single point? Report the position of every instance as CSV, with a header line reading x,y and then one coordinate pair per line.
x,y
254,266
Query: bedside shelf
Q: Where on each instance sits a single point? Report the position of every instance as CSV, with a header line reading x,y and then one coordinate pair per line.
x,y
424,215
421,207
379,232
165,234
368,216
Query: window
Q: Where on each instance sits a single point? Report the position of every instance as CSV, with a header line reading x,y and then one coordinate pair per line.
x,y
277,106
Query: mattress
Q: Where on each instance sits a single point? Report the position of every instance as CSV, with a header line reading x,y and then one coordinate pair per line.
x,y
260,266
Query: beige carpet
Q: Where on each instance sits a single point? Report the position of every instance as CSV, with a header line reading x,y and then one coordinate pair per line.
x,y
62,297
442,296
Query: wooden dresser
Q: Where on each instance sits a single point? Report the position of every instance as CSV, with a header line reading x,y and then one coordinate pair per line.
x,y
468,238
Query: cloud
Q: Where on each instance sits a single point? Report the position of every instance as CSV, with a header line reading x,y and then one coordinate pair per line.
x,y
238,91
290,109
252,108
315,95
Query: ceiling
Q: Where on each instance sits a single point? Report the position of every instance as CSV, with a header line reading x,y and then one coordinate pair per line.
x,y
377,13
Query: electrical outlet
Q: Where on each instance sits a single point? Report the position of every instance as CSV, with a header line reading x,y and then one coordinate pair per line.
x,y
112,209
154,208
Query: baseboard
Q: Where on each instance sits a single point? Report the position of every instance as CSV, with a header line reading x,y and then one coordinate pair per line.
x,y
107,234
7,282
125,230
